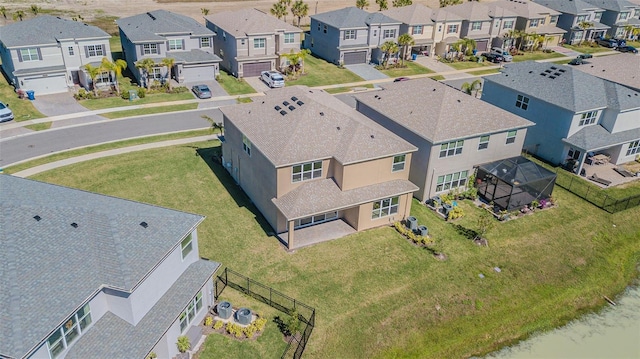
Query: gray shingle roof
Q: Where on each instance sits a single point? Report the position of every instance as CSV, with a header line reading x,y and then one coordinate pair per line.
x,y
113,337
593,138
443,14
621,68
613,5
437,112
561,85
195,56
352,17
323,127
323,196
245,22
40,70
416,14
526,9
573,7
155,25
471,11
49,268
47,30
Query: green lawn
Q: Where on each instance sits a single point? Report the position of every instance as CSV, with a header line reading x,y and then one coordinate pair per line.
x,y
151,110
463,65
318,72
536,55
587,49
412,68
23,110
377,295
234,86
39,126
116,48
115,101
484,72
335,90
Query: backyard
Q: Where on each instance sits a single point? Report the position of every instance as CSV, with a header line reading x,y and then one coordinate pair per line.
x,y
375,293
318,72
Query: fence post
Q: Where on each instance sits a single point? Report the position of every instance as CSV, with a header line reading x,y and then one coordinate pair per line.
x,y
248,289
270,294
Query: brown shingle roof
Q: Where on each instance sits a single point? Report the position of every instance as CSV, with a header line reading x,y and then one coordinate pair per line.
x,y
416,14
246,22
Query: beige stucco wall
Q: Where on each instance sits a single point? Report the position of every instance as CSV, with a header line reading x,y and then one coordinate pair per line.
x,y
284,184
364,220
371,172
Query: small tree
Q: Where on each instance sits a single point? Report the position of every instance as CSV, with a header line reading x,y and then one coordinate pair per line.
x,y
382,5
214,125
204,11
183,344
485,223
146,65
299,9
35,9
388,48
445,3
584,26
293,323
279,10
405,40
93,73
169,62
116,67
401,3
19,14
473,87
362,4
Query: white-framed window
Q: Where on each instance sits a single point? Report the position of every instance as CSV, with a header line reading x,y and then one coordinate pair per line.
x,y
103,78
588,118
260,43
186,246
246,145
484,142
175,44
349,34
507,24
389,33
573,153
69,331
511,137
624,15
398,163
553,19
324,29
318,218
451,149
452,29
534,22
306,171
581,18
95,50
71,52
205,42
190,312
417,30
30,54
156,73
597,16
634,148
385,207
522,102
150,49
476,26
452,180
289,38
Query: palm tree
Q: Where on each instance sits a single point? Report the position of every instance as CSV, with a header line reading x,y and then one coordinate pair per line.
x,y
628,30
473,87
302,55
169,62
204,11
93,72
35,9
468,45
3,12
388,48
512,35
521,35
584,26
19,14
382,5
214,125
401,3
362,4
279,10
405,40
116,67
445,3
146,65
299,9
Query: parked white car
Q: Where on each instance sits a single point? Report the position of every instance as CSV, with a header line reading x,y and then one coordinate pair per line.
x,y
504,53
272,78
5,113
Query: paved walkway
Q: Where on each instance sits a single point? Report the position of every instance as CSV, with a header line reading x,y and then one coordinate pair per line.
x,y
565,51
367,72
447,71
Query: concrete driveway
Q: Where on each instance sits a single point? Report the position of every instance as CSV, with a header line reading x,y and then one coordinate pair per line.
x,y
367,72
216,91
62,104
257,83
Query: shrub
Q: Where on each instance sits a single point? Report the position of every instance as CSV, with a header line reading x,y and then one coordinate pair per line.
x,y
293,323
142,92
218,324
152,355
535,204
124,95
208,321
234,329
259,323
183,343
249,331
455,212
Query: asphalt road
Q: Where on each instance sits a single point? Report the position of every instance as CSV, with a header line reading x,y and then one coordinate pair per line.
x,y
16,149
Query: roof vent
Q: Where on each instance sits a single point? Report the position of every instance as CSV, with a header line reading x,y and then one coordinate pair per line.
x,y
458,100
557,73
530,72
372,136
562,70
278,108
553,68
37,218
144,224
434,89
291,108
151,16
294,99
286,103
74,225
376,96
552,77
543,74
322,114
338,128
300,103
283,112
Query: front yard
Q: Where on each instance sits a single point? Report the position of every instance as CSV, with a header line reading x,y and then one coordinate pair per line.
x,y
318,72
23,110
411,68
376,294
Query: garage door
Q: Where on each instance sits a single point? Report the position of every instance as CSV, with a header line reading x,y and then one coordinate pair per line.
x,y
482,45
255,68
351,58
44,85
198,73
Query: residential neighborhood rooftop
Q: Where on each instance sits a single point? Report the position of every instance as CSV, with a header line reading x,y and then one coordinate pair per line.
x,y
617,68
47,30
352,17
153,25
471,11
245,22
525,8
573,7
416,14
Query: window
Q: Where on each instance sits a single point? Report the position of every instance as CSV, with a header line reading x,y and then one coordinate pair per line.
x,y
224,36
624,15
242,41
452,180
451,29
581,18
375,33
150,49
389,34
588,118
188,315
103,78
484,143
29,54
398,163
634,148
94,50
175,44
221,53
417,30
573,153
246,145
306,171
324,29
157,73
534,22
319,26
476,26
289,38
318,218
71,53
553,19
385,207
451,148
349,34
522,102
69,331
511,137
597,16
439,28
507,24
260,43
186,245
205,42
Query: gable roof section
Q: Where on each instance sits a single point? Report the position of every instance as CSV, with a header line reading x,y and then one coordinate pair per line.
x,y
245,22
620,68
352,17
561,85
573,7
471,11
47,30
525,8
50,268
416,14
613,5
321,127
596,137
443,14
155,25
437,112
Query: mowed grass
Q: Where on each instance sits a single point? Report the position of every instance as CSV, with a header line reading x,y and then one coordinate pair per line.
x,y
377,295
151,110
233,85
536,55
318,72
117,101
411,68
23,110
463,65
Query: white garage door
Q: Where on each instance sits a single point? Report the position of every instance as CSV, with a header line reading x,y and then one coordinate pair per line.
x,y
351,58
44,85
199,73
255,68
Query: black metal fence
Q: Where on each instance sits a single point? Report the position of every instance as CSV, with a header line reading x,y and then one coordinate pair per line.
x,y
275,299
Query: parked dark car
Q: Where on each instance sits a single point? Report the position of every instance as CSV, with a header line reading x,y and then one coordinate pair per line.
x,y
401,79
585,56
627,48
611,43
202,91
495,58
577,61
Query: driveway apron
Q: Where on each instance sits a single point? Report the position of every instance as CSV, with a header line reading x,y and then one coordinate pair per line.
x,y
367,72
62,104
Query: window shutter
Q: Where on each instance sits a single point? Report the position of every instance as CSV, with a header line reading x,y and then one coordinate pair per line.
x,y
86,51
168,48
19,55
39,54
183,44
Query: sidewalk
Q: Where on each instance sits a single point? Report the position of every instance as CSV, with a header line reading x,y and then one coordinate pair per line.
x,y
443,69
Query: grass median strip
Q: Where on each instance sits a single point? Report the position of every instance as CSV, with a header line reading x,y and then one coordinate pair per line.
x,y
150,110
39,126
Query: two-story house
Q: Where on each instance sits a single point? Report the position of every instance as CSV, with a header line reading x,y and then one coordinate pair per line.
x,y
476,24
86,275
454,132
533,18
574,16
575,113
46,54
503,24
446,30
249,41
350,35
309,162
415,20
618,14
615,68
162,34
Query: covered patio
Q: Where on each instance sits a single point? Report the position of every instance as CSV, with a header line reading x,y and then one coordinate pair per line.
x,y
319,233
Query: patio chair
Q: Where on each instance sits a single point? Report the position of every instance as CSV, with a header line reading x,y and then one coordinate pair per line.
x,y
594,177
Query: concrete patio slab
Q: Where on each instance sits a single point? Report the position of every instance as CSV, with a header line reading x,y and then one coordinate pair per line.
x,y
319,233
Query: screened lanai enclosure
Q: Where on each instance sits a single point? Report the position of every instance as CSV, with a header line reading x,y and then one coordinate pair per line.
x,y
514,182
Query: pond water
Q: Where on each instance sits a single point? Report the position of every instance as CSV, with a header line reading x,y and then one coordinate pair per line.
x,y
613,333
